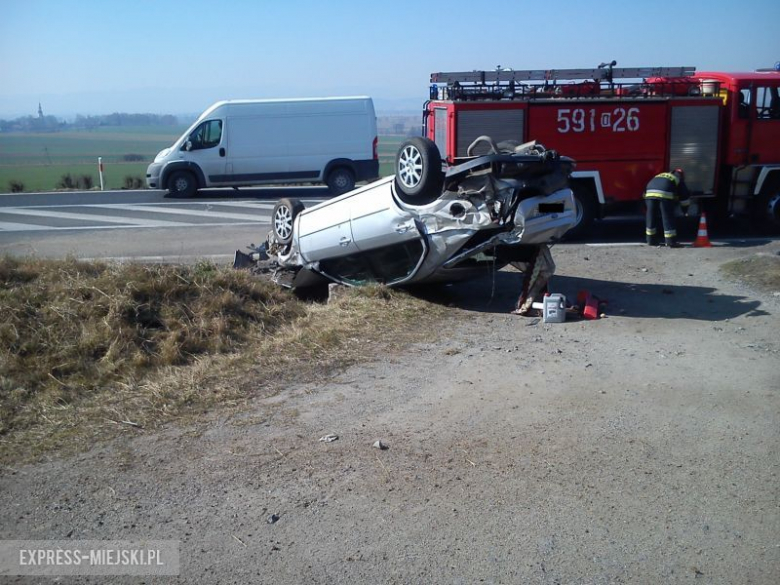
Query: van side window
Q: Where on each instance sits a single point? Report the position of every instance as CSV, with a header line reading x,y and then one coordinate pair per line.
x,y
207,135
767,103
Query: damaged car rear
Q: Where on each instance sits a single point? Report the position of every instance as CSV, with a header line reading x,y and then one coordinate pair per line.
x,y
425,224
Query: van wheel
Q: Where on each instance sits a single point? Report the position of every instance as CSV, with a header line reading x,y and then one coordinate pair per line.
x,y
284,214
182,183
341,180
418,174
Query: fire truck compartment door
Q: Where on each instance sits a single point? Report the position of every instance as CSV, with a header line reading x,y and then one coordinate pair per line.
x,y
693,145
503,124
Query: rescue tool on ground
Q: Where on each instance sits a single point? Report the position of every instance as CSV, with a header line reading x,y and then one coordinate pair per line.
x,y
625,125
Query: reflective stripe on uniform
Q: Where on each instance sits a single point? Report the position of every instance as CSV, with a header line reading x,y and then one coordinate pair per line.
x,y
673,178
670,234
650,232
659,195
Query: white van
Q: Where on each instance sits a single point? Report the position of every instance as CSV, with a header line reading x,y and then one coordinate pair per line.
x,y
256,142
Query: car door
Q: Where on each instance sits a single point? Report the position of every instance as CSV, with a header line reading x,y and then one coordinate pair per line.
x,y
324,230
388,245
377,221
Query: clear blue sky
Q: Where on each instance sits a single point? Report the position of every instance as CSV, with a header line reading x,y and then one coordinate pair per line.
x,y
174,56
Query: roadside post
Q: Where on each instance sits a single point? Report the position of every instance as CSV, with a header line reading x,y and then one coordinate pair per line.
x,y
100,171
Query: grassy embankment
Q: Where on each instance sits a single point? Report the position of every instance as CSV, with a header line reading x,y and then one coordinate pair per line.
x,y
90,350
761,271
39,161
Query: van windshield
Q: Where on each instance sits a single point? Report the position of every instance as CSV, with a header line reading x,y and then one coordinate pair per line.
x,y
207,135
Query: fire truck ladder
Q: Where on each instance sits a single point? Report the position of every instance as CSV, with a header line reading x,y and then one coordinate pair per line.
x,y
606,73
511,84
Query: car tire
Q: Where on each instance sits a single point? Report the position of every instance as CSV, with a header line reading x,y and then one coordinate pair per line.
x,y
182,183
418,174
283,219
586,205
341,180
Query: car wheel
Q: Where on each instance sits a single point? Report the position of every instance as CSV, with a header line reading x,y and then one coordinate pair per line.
x,y
586,206
341,180
284,214
182,183
418,174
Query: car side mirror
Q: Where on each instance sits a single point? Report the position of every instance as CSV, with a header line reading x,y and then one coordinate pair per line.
x,y
188,145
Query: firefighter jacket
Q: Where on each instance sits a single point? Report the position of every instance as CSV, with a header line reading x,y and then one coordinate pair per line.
x,y
668,186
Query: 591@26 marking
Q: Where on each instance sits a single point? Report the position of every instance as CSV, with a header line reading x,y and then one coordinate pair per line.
x,y
588,120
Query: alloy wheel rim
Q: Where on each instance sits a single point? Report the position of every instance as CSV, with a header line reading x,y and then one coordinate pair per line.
x,y
410,167
283,222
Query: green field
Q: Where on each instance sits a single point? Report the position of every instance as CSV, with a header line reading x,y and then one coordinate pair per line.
x,y
39,161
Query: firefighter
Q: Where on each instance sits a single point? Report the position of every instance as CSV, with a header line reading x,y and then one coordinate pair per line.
x,y
661,194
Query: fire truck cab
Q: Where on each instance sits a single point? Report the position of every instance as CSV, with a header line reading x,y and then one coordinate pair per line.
x,y
623,126
750,142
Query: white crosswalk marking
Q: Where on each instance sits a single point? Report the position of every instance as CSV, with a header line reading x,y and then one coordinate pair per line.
x,y
246,204
88,217
7,226
111,216
190,212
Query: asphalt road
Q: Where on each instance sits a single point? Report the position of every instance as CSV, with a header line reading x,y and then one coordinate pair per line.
x,y
144,225
154,226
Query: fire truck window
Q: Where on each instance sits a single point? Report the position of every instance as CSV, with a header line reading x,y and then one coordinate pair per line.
x,y
744,103
767,103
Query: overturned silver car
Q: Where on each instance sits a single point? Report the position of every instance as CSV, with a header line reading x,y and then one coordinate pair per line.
x,y
425,224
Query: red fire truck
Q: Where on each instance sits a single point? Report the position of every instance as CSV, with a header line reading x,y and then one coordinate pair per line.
x,y
623,126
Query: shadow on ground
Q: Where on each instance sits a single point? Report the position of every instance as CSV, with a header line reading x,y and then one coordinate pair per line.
x,y
625,299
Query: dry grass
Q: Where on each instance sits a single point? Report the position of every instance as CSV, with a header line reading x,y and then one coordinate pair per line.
x,y
761,271
88,350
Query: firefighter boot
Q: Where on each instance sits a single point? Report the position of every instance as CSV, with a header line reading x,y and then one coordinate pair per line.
x,y
672,243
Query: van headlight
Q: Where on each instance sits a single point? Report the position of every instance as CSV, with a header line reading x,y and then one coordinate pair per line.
x,y
162,154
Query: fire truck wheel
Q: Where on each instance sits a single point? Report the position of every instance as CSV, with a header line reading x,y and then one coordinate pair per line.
x,y
587,208
283,218
418,174
766,211
773,210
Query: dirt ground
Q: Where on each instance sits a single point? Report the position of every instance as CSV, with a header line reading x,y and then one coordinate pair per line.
x,y
639,448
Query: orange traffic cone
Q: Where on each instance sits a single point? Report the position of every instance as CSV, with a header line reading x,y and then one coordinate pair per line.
x,y
702,239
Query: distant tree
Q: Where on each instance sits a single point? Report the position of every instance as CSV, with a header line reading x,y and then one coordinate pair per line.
x,y
51,124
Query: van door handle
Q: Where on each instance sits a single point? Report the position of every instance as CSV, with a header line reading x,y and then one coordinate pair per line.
x,y
344,241
402,228
221,152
